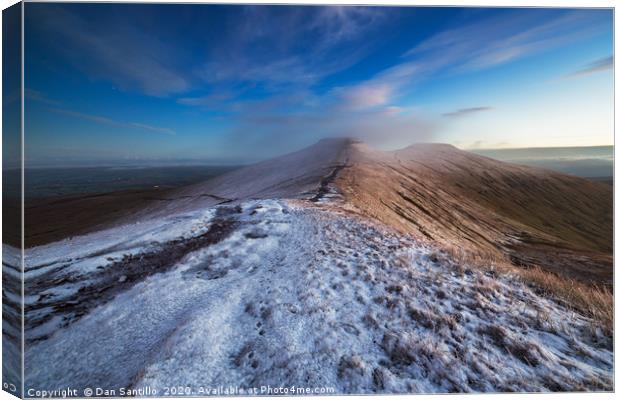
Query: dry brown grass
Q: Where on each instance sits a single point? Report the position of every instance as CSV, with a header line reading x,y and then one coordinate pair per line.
x,y
595,302
592,301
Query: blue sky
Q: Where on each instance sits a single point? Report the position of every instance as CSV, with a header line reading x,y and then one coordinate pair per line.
x,y
229,84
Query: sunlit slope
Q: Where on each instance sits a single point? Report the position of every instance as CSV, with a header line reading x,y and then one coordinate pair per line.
x,y
533,216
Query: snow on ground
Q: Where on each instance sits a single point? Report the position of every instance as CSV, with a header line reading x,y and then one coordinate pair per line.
x,y
81,253
58,273
281,293
11,318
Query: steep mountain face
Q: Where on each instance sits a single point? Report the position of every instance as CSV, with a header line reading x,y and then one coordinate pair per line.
x,y
533,216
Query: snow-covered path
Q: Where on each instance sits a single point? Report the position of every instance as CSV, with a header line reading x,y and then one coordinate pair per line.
x,y
280,294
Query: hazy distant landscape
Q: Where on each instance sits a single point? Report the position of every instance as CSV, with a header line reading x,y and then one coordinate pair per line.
x,y
588,162
65,201
51,182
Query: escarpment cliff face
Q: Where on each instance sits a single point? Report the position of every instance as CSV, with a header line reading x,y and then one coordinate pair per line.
x,y
532,216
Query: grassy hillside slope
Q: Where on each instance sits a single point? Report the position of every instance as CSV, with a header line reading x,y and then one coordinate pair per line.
x,y
529,215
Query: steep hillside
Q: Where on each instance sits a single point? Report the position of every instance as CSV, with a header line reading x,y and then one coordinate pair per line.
x,y
533,216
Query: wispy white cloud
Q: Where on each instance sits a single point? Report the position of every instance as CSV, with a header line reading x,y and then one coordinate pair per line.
x,y
40,97
385,128
212,100
151,128
111,122
299,50
601,65
466,111
382,89
260,46
122,54
483,45
29,94
342,23
503,39
372,109
292,69
360,97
